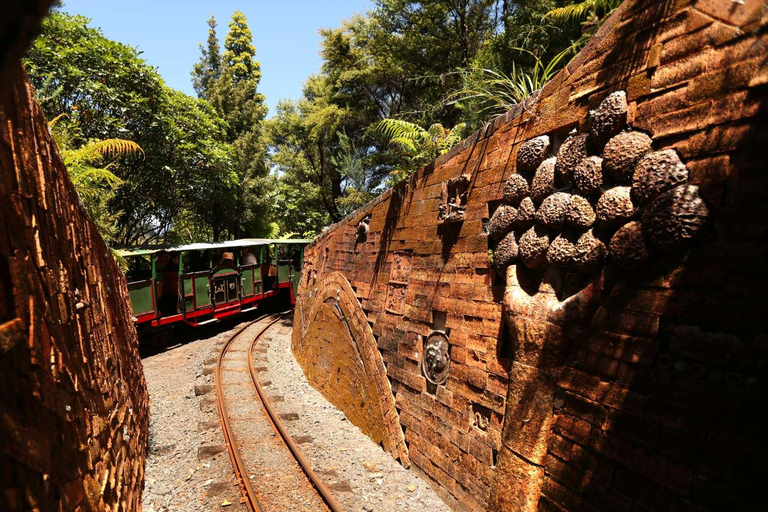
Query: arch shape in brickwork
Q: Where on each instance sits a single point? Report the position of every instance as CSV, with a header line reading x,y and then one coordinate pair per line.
x,y
336,349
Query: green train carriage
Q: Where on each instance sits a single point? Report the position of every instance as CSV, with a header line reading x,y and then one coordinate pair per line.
x,y
203,282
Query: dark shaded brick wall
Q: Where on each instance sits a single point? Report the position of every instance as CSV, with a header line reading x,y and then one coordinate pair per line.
x,y
74,413
655,404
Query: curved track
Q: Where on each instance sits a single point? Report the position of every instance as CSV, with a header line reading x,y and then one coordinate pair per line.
x,y
287,481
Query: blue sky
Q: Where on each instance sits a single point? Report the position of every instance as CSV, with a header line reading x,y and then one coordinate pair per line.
x,y
168,32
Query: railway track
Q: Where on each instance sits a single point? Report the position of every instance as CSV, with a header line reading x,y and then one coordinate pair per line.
x,y
272,472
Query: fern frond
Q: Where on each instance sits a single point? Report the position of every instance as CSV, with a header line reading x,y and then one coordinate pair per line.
x,y
573,12
108,148
398,128
56,119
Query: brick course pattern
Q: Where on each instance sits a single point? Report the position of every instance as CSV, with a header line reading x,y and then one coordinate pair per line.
x,y
74,413
343,363
647,401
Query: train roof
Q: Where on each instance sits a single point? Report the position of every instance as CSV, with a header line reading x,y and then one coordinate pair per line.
x,y
243,242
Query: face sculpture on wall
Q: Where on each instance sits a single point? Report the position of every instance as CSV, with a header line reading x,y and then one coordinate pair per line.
x,y
436,362
605,200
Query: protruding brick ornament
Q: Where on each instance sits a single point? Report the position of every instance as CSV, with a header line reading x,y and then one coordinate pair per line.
x,y
531,153
609,118
656,173
551,213
675,217
516,189
614,207
588,176
543,181
572,152
437,361
622,153
502,221
453,200
362,229
526,214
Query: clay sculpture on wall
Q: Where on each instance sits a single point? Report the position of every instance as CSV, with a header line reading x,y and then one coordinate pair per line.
x,y
605,200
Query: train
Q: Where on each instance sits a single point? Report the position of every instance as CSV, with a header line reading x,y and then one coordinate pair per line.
x,y
200,283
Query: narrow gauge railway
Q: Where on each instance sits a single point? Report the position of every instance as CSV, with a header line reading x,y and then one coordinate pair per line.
x,y
272,472
199,283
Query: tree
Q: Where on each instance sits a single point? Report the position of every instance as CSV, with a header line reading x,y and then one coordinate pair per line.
x,y
108,92
208,69
236,98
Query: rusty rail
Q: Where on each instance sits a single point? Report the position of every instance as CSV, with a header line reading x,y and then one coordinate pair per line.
x,y
234,453
277,424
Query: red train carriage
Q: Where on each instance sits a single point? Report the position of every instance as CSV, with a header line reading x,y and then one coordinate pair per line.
x,y
200,283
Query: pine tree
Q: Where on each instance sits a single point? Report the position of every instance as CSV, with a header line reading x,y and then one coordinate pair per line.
x,y
207,71
239,52
235,96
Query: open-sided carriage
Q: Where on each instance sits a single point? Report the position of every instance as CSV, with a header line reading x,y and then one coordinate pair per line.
x,y
200,283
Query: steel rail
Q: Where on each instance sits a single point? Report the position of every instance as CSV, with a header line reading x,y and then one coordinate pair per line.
x,y
234,454
277,424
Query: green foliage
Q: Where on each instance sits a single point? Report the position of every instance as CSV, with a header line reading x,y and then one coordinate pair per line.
x,y
108,92
208,69
239,52
589,13
235,97
488,92
419,145
89,169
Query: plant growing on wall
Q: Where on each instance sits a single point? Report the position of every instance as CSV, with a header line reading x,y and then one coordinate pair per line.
x,y
419,145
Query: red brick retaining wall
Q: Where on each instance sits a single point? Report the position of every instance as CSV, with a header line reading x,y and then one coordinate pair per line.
x,y
650,400
74,412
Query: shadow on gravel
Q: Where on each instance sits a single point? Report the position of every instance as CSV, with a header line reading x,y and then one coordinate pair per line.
x,y
163,339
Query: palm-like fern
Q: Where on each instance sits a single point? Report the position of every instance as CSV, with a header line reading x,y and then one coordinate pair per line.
x,y
489,91
591,14
420,146
90,169
586,11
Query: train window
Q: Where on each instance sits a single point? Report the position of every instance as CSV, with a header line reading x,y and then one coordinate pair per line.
x,y
290,253
139,268
196,261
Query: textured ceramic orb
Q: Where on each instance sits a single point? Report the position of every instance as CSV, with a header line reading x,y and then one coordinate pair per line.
x,y
656,173
502,221
579,214
543,183
551,213
532,153
675,217
533,247
628,248
590,252
506,252
526,214
609,118
515,189
614,207
562,250
623,152
588,176
572,152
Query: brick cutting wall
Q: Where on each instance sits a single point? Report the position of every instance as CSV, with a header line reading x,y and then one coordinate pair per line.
x,y
74,411
656,404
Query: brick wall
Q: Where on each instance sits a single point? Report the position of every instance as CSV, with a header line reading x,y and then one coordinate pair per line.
x,y
74,413
637,390
342,362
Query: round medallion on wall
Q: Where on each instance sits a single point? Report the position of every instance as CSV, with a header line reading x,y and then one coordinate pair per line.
x,y
436,361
